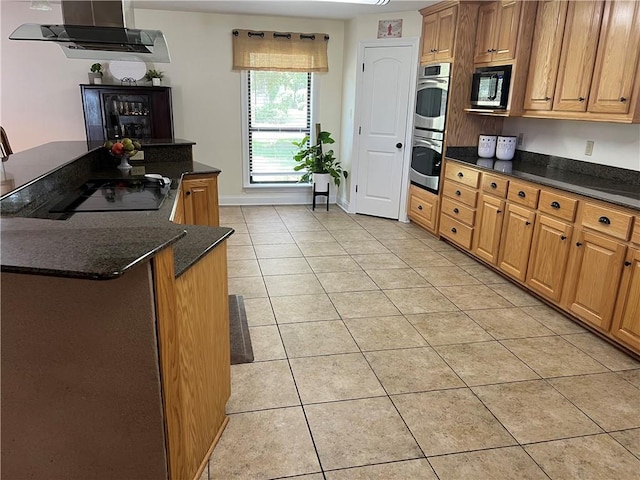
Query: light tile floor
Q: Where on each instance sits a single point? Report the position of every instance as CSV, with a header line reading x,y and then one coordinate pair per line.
x,y
383,353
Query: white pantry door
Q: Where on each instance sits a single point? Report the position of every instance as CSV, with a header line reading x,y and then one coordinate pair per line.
x,y
383,123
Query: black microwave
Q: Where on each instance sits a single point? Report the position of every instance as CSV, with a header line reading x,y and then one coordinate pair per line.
x,y
490,87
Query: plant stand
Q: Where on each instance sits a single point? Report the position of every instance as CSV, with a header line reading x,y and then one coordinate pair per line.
x,y
320,194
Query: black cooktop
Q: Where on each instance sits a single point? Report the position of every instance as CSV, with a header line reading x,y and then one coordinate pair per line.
x,y
106,195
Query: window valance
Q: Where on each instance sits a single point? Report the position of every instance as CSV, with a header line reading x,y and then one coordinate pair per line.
x,y
280,51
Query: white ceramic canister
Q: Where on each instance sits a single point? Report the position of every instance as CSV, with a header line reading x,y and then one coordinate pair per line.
x,y
506,148
487,146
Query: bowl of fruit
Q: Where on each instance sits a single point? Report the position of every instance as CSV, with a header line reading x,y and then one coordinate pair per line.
x,y
123,149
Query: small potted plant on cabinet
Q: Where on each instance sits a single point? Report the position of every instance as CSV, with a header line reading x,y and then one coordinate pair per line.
x,y
95,75
319,166
154,76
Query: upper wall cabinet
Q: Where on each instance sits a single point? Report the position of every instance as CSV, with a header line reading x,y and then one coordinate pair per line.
x,y
497,32
439,35
584,61
545,55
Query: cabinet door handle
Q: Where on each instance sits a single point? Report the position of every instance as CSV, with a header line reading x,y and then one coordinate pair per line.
x,y
555,205
187,193
456,211
527,223
623,99
458,192
627,264
498,211
460,174
419,207
453,230
604,220
581,99
494,185
563,237
489,50
578,244
521,194
546,99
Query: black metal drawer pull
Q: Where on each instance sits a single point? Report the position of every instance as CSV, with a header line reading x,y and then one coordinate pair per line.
x,y
458,192
627,264
460,174
527,223
419,207
456,211
563,237
578,244
494,185
187,192
604,220
555,205
581,99
521,194
498,211
453,230
622,99
547,99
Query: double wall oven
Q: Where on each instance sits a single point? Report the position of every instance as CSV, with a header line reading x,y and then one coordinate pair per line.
x,y
429,124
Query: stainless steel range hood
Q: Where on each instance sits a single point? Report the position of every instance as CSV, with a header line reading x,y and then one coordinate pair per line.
x,y
97,30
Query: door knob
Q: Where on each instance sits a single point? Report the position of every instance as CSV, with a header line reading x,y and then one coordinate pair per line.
x,y
398,145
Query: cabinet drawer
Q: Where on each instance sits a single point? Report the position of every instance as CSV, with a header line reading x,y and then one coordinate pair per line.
x,y
603,219
523,194
456,231
495,185
558,205
461,174
458,211
635,236
461,194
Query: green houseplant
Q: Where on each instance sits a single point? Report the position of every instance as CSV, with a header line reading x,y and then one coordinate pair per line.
x,y
95,74
316,162
154,76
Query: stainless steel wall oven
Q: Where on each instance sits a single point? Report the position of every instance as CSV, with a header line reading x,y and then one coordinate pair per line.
x,y
426,159
431,96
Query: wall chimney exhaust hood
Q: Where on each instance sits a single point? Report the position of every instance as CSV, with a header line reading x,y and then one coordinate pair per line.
x,y
97,30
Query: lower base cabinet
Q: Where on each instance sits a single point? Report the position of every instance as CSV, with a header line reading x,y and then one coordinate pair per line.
x,y
197,202
549,255
626,322
517,233
486,241
423,208
593,278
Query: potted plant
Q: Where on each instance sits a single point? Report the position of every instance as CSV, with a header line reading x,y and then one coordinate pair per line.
x,y
319,165
154,76
95,75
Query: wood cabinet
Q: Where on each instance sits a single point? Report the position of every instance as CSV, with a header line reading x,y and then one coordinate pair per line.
x,y
438,36
626,322
497,31
489,228
580,43
460,192
117,111
199,200
423,208
616,64
517,233
545,54
549,255
593,278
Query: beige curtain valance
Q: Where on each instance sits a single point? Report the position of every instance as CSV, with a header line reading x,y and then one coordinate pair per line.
x,y
280,51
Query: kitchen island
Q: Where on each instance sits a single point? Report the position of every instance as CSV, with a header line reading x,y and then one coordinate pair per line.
x,y
115,334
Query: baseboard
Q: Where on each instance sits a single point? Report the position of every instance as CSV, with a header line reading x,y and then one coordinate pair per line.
x,y
273,198
343,204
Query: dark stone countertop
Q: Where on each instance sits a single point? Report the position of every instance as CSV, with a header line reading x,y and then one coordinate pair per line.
x,y
606,186
102,245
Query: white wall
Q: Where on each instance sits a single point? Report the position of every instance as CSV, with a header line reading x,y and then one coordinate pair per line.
x,y
41,99
356,30
616,145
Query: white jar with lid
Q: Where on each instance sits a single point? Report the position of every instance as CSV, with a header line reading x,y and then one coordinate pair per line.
x,y
487,146
506,148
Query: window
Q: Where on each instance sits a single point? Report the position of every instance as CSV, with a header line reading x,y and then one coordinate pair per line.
x,y
277,113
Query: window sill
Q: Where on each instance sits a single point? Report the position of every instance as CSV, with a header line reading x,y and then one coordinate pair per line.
x,y
277,186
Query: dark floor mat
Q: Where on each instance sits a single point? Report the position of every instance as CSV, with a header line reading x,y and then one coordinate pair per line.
x,y
241,351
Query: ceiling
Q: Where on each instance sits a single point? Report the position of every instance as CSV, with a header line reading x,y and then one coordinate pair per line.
x,y
329,9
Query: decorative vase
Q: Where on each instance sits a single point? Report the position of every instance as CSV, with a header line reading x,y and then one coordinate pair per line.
x,y
124,166
506,148
95,78
156,82
321,182
487,146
